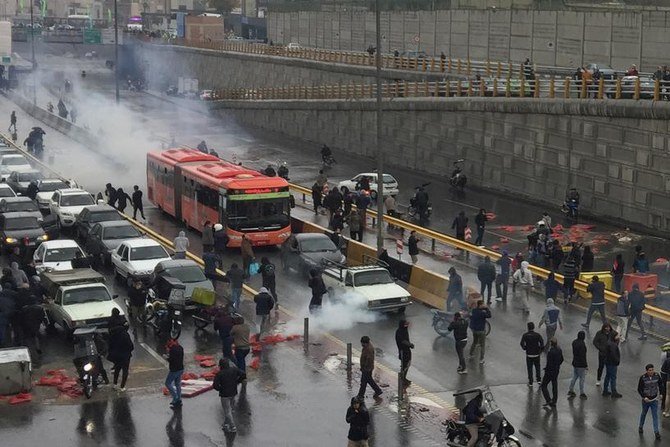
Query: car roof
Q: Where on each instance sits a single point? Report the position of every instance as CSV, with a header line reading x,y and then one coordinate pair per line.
x,y
71,191
60,243
51,180
174,263
99,208
5,185
6,155
114,223
15,199
141,242
305,236
18,214
29,171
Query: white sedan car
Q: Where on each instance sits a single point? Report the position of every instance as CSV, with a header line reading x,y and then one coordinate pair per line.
x,y
137,258
57,255
13,162
66,204
390,184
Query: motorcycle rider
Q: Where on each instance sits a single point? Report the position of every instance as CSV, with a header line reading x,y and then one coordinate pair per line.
x,y
282,171
270,171
473,416
421,201
326,155
572,199
202,147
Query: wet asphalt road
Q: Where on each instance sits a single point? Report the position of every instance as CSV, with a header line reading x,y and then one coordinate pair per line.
x,y
593,422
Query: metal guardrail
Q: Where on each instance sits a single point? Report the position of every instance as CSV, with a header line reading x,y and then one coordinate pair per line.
x,y
566,88
435,237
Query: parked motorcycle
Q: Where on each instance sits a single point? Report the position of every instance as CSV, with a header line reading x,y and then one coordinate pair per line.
x,y
458,179
327,157
571,209
167,307
496,430
86,359
282,171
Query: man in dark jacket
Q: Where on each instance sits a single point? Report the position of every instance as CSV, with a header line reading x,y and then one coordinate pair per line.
x,y
223,324
460,327
533,344
175,355
367,366
413,247
119,352
570,270
505,263
264,304
478,326
486,273
318,288
650,387
225,382
235,276
459,224
136,200
358,419
637,305
612,360
473,416
267,270
579,365
602,337
110,192
480,221
455,290
551,370
137,295
404,349
597,291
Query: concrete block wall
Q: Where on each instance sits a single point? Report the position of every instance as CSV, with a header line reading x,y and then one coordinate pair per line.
x,y
556,38
618,159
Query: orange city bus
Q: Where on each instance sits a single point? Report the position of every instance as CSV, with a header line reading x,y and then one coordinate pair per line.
x,y
195,187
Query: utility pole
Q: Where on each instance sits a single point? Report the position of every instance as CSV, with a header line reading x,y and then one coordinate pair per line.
x,y
378,115
32,49
116,50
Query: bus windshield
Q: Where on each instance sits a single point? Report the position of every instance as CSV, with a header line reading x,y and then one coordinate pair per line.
x,y
258,215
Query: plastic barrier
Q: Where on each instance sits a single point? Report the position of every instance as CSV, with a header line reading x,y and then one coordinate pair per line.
x,y
648,283
605,277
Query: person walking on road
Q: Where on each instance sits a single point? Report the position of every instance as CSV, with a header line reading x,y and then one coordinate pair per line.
x,y
207,236
241,333
665,378
602,337
176,365
618,270
478,318
404,349
367,366
551,286
505,263
12,122
358,419
220,240
354,222
122,199
110,192
267,270
455,290
650,387
532,343
612,360
413,247
551,318
459,326
247,253
579,365
459,224
235,276
137,295
637,306
622,313
318,288
119,352
570,271
223,324
136,200
181,244
480,221
486,273
597,291
317,191
587,260
551,370
264,304
225,382
524,278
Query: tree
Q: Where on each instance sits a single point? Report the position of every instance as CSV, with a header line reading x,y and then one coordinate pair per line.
x,y
223,6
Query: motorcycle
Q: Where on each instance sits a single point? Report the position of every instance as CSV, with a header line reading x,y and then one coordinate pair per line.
x,y
458,179
86,359
496,430
167,307
282,171
442,320
413,209
570,208
327,157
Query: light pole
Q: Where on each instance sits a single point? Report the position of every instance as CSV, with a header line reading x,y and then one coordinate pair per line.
x,y
378,115
116,50
32,49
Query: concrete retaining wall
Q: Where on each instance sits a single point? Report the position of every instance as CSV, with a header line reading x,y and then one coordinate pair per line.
x,y
616,154
556,38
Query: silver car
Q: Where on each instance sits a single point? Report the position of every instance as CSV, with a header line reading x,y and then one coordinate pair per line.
x,y
186,271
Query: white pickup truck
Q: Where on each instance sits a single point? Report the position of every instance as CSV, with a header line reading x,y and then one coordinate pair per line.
x,y
77,298
373,282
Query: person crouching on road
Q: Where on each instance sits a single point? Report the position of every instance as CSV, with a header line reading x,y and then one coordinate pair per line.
x,y
225,382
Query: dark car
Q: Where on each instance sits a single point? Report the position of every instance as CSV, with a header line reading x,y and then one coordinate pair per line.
x,y
20,204
305,251
20,230
92,215
106,237
19,181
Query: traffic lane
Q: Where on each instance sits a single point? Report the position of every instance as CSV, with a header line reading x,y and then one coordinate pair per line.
x,y
284,384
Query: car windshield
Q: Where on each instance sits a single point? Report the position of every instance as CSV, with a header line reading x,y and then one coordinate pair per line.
x,y
317,244
123,232
14,161
86,295
21,223
258,215
388,178
185,274
62,254
76,200
148,252
28,176
20,206
6,192
52,186
105,216
372,277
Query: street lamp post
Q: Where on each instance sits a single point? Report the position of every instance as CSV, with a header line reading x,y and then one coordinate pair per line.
x,y
32,49
116,50
378,115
